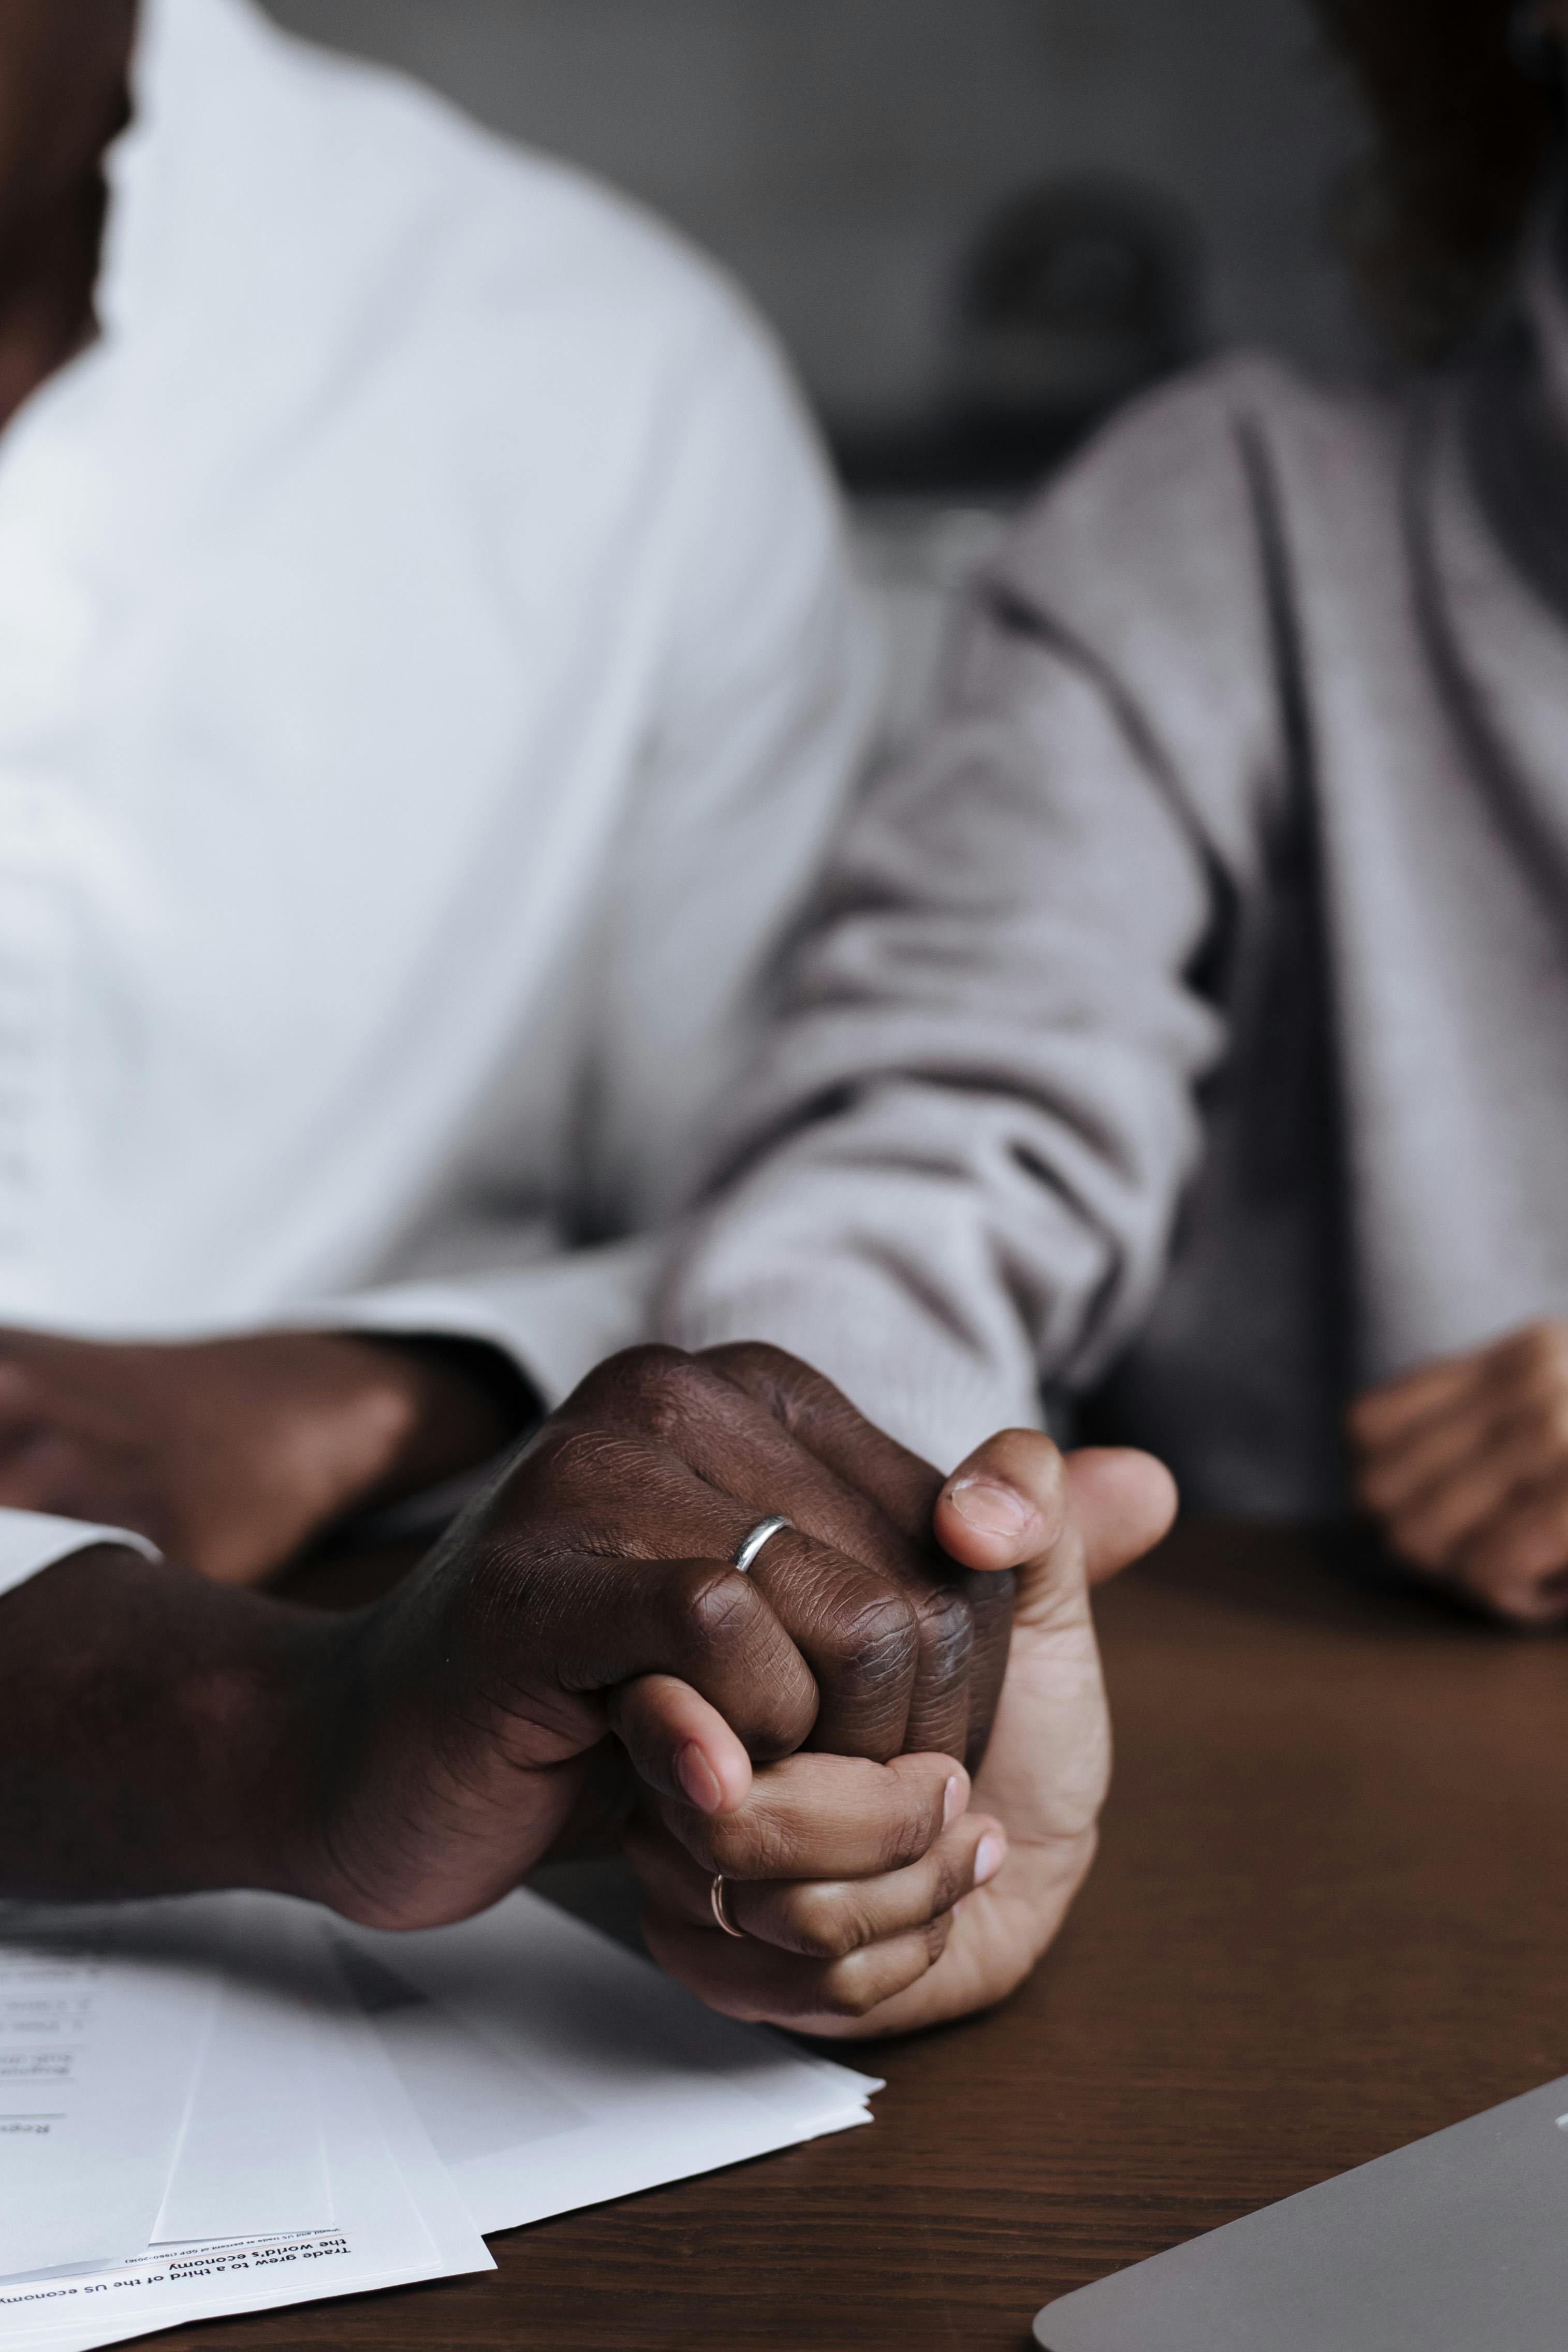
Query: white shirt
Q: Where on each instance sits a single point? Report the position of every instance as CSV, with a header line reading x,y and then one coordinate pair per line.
x,y
428,673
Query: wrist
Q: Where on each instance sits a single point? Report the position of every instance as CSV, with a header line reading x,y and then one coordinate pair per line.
x,y
158,1734
293,1735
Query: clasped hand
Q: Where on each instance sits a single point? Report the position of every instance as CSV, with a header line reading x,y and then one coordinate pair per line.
x,y
903,1805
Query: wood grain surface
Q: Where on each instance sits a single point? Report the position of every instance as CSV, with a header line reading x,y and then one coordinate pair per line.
x,y
1331,1913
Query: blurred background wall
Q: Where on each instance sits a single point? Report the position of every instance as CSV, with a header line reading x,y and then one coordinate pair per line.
x,y
851,160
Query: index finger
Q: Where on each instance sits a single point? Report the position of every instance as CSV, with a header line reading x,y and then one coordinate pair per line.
x,y
814,1816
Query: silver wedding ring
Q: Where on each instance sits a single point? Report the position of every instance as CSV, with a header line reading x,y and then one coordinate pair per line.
x,y
721,1910
762,1533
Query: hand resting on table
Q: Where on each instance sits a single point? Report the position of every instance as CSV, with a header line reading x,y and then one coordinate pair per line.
x,y
1464,1465
578,1647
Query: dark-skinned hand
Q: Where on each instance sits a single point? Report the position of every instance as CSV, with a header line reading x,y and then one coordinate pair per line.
x,y
414,1758
589,1592
578,1638
235,1454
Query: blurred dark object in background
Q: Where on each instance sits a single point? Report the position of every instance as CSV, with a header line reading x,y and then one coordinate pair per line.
x,y
1466,103
973,222
1074,295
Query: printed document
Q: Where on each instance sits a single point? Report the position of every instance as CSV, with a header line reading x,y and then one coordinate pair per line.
x,y
554,2069
395,2216
250,2102
103,2020
252,2159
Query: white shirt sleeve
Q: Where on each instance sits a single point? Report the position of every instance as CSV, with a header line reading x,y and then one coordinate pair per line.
x,y
31,1541
555,1318
766,702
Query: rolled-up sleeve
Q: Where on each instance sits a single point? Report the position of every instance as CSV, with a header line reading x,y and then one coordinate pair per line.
x,y
952,1176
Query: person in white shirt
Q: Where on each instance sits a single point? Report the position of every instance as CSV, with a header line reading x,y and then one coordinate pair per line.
x,y
429,670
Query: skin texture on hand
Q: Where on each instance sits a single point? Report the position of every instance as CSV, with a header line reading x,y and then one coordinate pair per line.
x,y
580,1650
591,1593
235,1454
409,1763
864,1913
1464,1465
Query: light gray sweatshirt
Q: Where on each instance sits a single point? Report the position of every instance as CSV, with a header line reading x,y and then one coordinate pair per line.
x,y
1187,1025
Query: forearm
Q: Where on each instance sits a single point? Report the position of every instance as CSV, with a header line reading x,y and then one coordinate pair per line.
x,y
951,1169
881,1279
158,1734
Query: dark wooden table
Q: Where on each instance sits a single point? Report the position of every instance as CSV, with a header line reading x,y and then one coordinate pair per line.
x,y
1331,1913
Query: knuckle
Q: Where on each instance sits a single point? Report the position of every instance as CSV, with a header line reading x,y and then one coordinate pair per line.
x,y
945,1632
802,1400
850,1989
571,1458
874,1640
701,1839
719,1844
671,1395
758,1366
905,1841
747,1846
823,1926
658,1393
936,1932
719,1606
625,1377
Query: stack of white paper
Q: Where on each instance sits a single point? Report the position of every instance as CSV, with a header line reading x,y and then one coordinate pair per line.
x,y
232,2103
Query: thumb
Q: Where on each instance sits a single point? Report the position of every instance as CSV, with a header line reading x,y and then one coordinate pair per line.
x,y
1016,1497
1122,1501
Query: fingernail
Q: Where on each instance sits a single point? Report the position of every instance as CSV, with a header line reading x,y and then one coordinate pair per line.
x,y
988,1505
955,1796
989,1856
698,1779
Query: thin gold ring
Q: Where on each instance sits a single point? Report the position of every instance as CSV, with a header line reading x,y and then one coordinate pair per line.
x,y
721,1910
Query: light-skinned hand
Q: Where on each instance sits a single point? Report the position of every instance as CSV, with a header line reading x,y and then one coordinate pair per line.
x,y
1464,1465
877,1899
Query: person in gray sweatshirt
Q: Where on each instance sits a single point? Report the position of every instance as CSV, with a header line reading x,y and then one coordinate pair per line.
x,y
1184,1039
